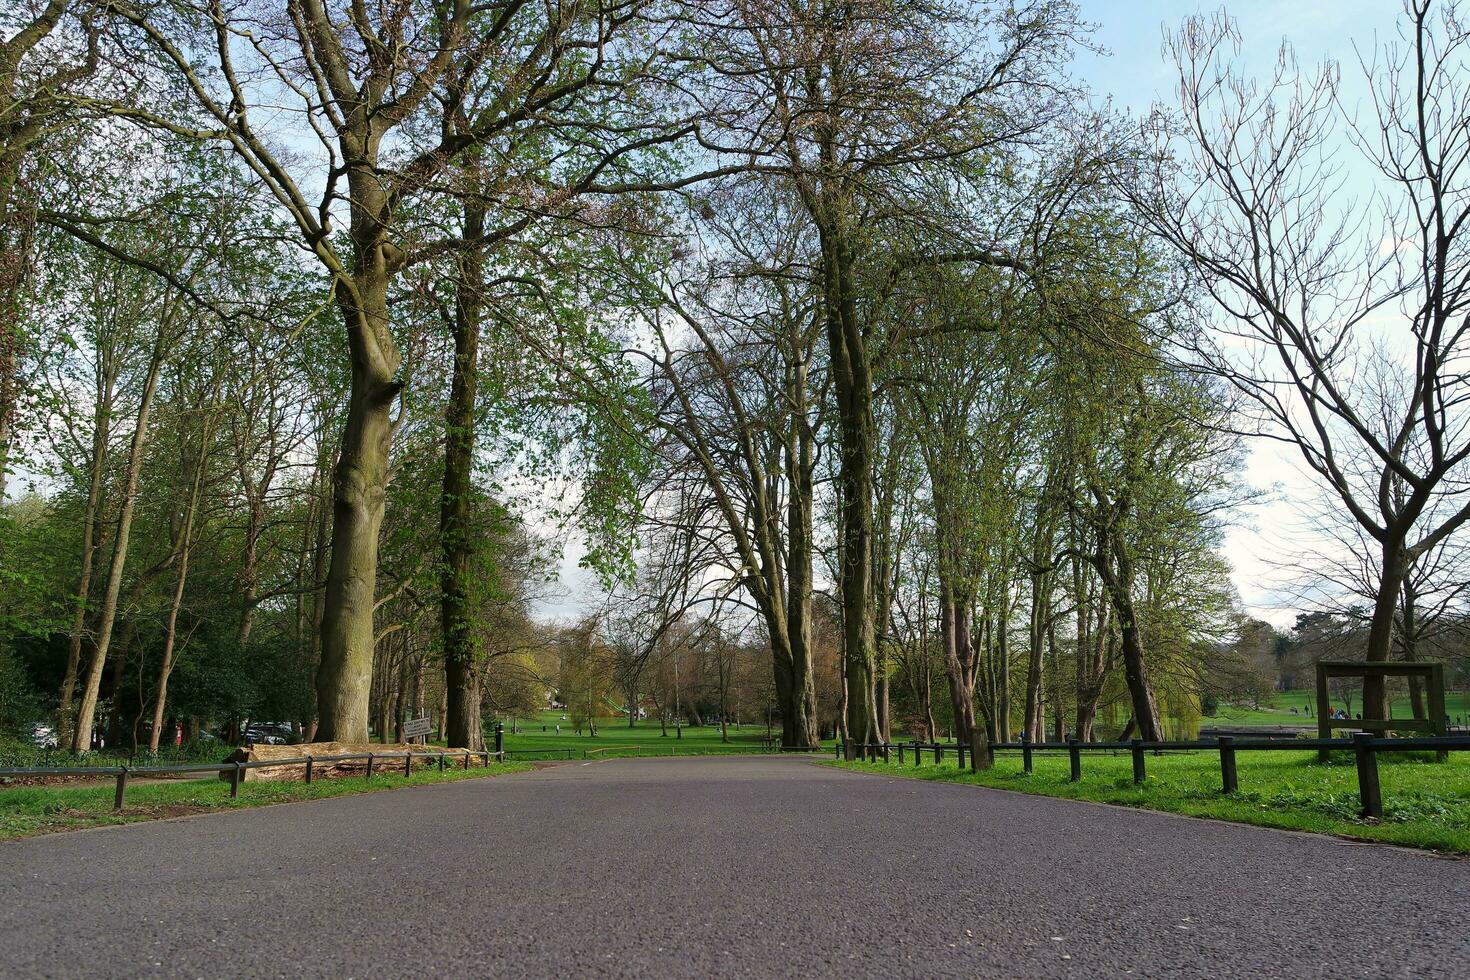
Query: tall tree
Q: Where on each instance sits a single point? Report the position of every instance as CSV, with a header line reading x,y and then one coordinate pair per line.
x,y
1294,268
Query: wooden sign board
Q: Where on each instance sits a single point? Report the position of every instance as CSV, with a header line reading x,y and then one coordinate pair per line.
x,y
417,727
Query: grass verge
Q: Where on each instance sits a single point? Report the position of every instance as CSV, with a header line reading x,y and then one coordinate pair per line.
x,y
26,812
1426,803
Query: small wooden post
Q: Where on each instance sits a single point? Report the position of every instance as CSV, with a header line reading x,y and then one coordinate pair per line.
x,y
1368,788
407,764
308,770
467,759
938,753
441,761
836,751
1227,764
1438,716
900,753
1324,713
1138,771
918,754
1026,752
887,757
1076,755
235,781
370,766
122,788
960,748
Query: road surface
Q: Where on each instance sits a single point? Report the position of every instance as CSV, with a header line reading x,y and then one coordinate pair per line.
x,y
720,867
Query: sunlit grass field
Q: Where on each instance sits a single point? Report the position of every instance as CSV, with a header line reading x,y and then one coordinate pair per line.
x,y
616,738
1278,710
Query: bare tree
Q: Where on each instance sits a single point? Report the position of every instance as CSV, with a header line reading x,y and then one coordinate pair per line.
x,y
1309,279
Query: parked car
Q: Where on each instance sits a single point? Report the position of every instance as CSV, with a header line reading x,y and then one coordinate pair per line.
x,y
268,733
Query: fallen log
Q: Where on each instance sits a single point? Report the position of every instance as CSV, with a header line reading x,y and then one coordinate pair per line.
x,y
296,771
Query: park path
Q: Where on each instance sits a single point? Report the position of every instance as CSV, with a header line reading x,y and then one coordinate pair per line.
x,y
728,867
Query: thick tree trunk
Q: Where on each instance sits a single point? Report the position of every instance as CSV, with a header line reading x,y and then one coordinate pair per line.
x,y
461,679
1119,584
345,675
107,614
954,635
853,390
1395,568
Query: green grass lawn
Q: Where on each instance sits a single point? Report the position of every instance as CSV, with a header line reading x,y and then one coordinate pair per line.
x,y
615,738
38,810
1426,804
1278,710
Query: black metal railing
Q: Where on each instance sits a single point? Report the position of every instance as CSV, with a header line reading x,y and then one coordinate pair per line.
x,y
1364,745
236,770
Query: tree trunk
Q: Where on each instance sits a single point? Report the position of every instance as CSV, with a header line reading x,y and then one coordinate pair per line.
x,y
853,390
461,679
170,629
345,675
1119,584
1035,723
107,614
1395,568
954,636
101,435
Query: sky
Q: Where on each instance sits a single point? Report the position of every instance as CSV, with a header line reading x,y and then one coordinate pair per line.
x,y
1133,75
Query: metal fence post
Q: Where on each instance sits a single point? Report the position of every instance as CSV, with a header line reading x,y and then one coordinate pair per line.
x,y
1368,789
1227,764
1138,771
1076,755
309,767
122,788
235,781
1026,752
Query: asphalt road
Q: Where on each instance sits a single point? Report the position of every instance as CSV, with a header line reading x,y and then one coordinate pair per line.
x,y
722,867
